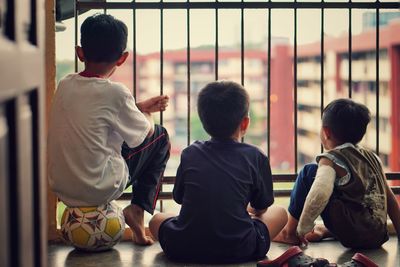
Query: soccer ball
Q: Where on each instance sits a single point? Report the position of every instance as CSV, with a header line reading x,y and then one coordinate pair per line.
x,y
93,228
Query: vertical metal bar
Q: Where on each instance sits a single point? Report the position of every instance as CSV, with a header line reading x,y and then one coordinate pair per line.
x,y
295,89
76,12
322,59
216,43
242,46
161,201
188,72
161,76
350,50
242,50
14,218
134,52
161,58
322,64
269,85
377,81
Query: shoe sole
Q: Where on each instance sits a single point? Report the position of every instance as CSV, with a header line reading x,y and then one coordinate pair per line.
x,y
282,259
361,258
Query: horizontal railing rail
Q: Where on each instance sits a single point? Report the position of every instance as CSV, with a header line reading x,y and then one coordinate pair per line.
x,y
277,178
237,5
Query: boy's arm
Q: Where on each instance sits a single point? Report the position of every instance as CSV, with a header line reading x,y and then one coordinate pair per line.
x,y
263,195
154,104
178,190
131,123
393,209
318,197
255,212
151,121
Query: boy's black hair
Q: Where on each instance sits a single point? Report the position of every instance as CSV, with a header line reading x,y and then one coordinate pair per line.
x,y
103,38
347,120
221,106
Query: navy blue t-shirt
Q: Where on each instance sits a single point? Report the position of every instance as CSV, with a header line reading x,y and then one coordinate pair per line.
x,y
215,182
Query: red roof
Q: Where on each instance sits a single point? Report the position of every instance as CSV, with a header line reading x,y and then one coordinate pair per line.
x,y
366,41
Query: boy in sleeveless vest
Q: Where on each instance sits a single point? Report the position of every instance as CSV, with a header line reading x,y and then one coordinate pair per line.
x,y
347,188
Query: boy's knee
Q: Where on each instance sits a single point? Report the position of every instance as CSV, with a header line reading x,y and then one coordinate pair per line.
x,y
281,214
155,223
159,129
309,170
162,133
152,220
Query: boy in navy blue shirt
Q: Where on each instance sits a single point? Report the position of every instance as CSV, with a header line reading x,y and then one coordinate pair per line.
x,y
224,187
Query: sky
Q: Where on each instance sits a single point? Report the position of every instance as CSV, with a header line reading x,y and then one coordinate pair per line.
x,y
202,28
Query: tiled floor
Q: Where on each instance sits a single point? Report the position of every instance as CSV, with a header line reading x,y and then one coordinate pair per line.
x,y
126,254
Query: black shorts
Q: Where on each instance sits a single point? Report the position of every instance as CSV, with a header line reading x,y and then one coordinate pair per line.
x,y
263,239
173,250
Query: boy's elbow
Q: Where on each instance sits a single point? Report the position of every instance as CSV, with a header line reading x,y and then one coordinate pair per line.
x,y
177,199
151,130
260,212
150,123
270,201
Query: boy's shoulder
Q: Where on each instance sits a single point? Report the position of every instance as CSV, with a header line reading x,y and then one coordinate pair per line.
x,y
351,153
243,148
193,147
120,88
353,149
252,150
115,89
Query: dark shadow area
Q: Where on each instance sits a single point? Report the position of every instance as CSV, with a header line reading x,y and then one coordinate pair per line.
x,y
109,258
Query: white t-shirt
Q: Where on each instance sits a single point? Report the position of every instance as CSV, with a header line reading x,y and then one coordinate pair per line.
x,y
90,119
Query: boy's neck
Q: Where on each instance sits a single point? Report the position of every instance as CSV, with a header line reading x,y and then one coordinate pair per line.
x,y
225,139
100,70
237,136
334,145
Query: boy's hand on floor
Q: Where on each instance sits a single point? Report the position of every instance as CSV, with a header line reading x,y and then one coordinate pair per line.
x,y
154,104
303,240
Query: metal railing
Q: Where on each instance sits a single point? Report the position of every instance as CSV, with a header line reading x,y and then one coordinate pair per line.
x,y
268,6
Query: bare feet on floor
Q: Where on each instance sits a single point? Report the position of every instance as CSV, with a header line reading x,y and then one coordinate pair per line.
x,y
287,238
134,217
319,233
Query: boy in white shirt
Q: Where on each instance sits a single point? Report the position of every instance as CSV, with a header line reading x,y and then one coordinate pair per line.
x,y
100,141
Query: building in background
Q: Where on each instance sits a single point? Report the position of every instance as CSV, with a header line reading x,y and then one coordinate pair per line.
x,y
369,19
336,73
364,88
202,71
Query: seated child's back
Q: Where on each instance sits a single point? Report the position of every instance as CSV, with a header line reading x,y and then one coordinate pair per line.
x,y
100,140
348,187
357,209
88,123
215,182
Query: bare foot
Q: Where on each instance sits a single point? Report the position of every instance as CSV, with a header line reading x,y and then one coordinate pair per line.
x,y
286,238
319,233
134,217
